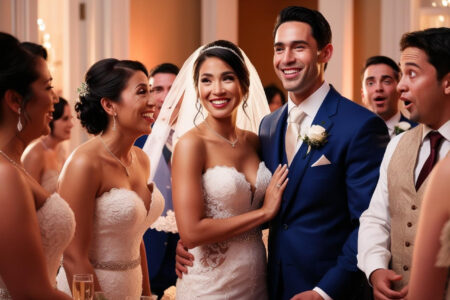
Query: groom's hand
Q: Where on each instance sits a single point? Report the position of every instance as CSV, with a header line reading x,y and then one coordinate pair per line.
x,y
308,295
182,259
381,281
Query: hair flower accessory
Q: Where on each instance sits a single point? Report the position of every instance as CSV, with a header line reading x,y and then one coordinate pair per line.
x,y
401,127
316,137
83,90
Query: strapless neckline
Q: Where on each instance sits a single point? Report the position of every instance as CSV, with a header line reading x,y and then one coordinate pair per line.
x,y
252,188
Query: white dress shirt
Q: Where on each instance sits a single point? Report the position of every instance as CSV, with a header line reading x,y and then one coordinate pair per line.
x,y
375,223
310,106
392,122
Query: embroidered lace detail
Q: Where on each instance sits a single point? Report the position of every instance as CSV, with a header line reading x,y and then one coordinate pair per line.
x,y
167,223
116,265
235,268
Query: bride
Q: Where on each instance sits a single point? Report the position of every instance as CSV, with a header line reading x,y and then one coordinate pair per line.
x,y
105,182
219,182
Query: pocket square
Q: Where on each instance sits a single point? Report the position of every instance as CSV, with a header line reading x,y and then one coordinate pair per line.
x,y
321,161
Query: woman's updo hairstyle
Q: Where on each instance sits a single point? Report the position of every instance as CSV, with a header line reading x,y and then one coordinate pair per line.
x,y
17,68
232,55
106,78
58,112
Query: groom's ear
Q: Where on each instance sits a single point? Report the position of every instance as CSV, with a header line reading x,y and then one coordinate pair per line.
x,y
325,53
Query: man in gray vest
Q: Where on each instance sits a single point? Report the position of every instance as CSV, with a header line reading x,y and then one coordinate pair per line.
x,y
388,226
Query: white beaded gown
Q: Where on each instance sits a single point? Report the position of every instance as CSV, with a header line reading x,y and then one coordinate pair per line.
x,y
235,268
120,221
57,226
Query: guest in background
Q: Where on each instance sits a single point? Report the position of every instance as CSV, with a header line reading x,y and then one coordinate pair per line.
x,y
44,157
275,97
388,226
380,77
431,258
30,247
161,79
161,245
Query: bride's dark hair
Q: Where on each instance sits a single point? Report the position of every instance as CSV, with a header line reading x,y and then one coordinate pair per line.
x,y
232,55
106,78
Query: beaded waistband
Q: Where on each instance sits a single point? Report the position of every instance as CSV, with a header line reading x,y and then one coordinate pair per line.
x,y
116,265
4,294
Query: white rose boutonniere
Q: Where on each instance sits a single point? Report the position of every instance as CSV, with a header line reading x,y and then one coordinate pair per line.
x,y
401,127
316,137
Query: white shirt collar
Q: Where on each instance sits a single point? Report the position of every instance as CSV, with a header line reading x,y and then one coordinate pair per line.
x,y
394,120
312,104
444,130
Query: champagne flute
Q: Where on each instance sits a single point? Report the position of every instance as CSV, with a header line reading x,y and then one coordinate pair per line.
x,y
83,287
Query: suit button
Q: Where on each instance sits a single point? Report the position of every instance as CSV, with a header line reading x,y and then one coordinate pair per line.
x,y
285,226
407,244
409,224
405,268
413,207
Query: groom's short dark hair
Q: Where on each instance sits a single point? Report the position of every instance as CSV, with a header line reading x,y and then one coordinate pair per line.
x,y
321,30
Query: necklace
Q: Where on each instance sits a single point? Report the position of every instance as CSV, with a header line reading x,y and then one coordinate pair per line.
x,y
14,163
232,143
116,158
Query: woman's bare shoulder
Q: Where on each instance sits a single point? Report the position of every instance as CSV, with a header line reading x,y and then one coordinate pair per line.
x,y
85,157
250,137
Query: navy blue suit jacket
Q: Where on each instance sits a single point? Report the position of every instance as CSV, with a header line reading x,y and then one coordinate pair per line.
x,y
313,239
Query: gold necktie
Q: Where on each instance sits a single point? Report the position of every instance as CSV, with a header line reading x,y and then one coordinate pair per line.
x,y
296,115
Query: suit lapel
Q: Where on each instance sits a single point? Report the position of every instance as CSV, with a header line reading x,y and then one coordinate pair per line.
x,y
301,162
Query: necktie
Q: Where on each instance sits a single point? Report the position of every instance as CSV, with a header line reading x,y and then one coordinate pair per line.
x,y
295,117
435,140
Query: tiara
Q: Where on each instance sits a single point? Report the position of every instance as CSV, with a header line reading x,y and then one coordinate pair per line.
x,y
83,90
225,48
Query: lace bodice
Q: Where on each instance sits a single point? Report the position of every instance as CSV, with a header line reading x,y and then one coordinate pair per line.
x,y
236,268
120,221
57,226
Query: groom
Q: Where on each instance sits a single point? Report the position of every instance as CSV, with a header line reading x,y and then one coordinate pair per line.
x,y
313,239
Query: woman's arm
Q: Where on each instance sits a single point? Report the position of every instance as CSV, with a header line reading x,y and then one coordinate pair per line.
x,y
146,291
194,227
428,281
23,265
78,185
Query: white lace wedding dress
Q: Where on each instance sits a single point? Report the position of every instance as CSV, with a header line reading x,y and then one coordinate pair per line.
x,y
236,268
120,221
57,226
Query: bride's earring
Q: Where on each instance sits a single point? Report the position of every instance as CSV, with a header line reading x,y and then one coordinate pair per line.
x,y
114,122
19,123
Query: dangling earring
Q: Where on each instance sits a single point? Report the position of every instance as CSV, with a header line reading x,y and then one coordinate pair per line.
x,y
114,122
19,124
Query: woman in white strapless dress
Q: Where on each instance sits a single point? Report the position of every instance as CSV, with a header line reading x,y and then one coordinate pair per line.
x,y
105,182
35,227
44,157
431,259
220,184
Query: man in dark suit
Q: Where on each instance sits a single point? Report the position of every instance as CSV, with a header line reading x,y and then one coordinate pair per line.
x,y
380,77
333,167
160,246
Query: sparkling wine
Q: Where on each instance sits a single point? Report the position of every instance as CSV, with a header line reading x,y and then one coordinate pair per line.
x,y
83,288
